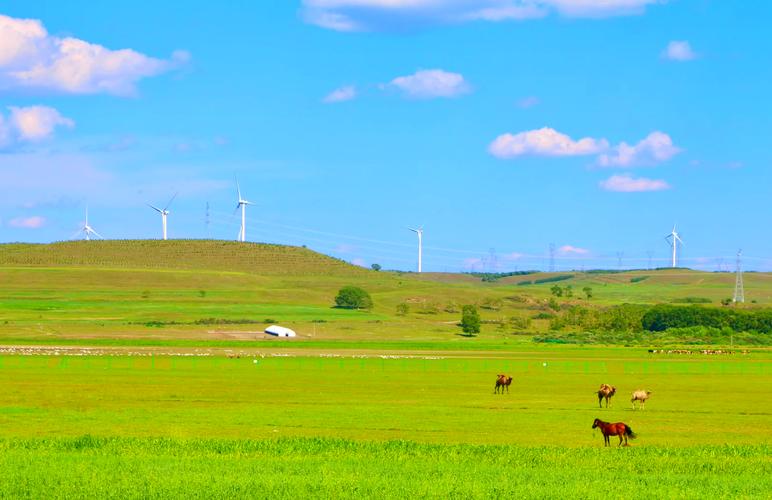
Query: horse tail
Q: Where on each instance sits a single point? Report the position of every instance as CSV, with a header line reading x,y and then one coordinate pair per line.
x,y
629,432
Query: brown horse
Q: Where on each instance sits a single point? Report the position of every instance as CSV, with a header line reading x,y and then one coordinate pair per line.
x,y
605,391
618,429
502,381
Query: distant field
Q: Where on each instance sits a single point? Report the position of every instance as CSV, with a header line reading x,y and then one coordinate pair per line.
x,y
175,290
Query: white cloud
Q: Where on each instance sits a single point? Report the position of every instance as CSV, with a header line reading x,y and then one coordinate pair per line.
x,y
625,183
544,142
359,262
377,15
655,148
33,222
430,83
30,124
32,58
34,123
679,50
572,250
345,93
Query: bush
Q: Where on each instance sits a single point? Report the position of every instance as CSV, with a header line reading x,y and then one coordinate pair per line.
x,y
517,323
491,304
470,320
352,297
403,309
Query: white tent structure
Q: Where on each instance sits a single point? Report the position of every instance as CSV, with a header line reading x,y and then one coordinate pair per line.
x,y
280,331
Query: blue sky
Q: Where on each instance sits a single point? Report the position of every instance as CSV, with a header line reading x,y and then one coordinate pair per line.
x,y
500,126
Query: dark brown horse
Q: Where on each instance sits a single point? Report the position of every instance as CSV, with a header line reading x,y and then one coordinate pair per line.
x,y
502,381
618,429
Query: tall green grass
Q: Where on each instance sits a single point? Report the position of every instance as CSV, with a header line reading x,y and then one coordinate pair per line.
x,y
333,468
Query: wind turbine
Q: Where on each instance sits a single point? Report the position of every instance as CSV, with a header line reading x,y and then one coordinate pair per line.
x,y
87,230
163,212
242,203
674,242
420,233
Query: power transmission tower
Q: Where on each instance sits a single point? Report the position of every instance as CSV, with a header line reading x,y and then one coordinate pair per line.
x,y
207,222
739,293
552,258
650,254
619,259
493,261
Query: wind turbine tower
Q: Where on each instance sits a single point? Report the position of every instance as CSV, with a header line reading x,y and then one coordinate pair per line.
x,y
242,204
420,233
164,212
87,230
673,239
739,293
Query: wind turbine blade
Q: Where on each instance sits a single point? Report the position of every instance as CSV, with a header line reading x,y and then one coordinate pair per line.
x,y
414,230
679,239
76,234
238,189
170,201
102,237
155,208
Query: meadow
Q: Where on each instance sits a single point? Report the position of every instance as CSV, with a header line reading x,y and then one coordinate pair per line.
x,y
319,426
124,376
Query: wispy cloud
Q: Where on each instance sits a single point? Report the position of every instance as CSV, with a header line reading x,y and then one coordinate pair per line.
x,y
625,183
679,50
657,147
345,93
431,83
33,222
544,142
572,250
30,124
32,58
382,15
528,102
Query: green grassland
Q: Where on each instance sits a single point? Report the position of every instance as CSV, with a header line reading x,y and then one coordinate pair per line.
x,y
167,290
362,403
320,426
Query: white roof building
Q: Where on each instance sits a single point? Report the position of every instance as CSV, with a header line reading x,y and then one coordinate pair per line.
x,y
280,331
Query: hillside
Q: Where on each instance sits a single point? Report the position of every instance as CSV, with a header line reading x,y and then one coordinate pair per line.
x,y
211,255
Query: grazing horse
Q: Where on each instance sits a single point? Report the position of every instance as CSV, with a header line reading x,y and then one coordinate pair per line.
x,y
618,429
502,381
641,396
605,391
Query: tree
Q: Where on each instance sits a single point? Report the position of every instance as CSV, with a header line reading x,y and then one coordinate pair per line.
x,y
353,297
556,291
376,267
569,291
470,320
403,309
587,292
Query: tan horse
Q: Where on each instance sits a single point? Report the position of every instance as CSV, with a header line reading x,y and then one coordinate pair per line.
x,y
605,391
502,381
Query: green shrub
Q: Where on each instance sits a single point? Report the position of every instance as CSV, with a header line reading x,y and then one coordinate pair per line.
x,y
353,297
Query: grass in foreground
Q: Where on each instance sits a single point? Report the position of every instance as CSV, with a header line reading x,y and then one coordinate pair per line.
x,y
332,468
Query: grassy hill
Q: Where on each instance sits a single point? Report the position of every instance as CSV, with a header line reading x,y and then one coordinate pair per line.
x,y
211,255
207,291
